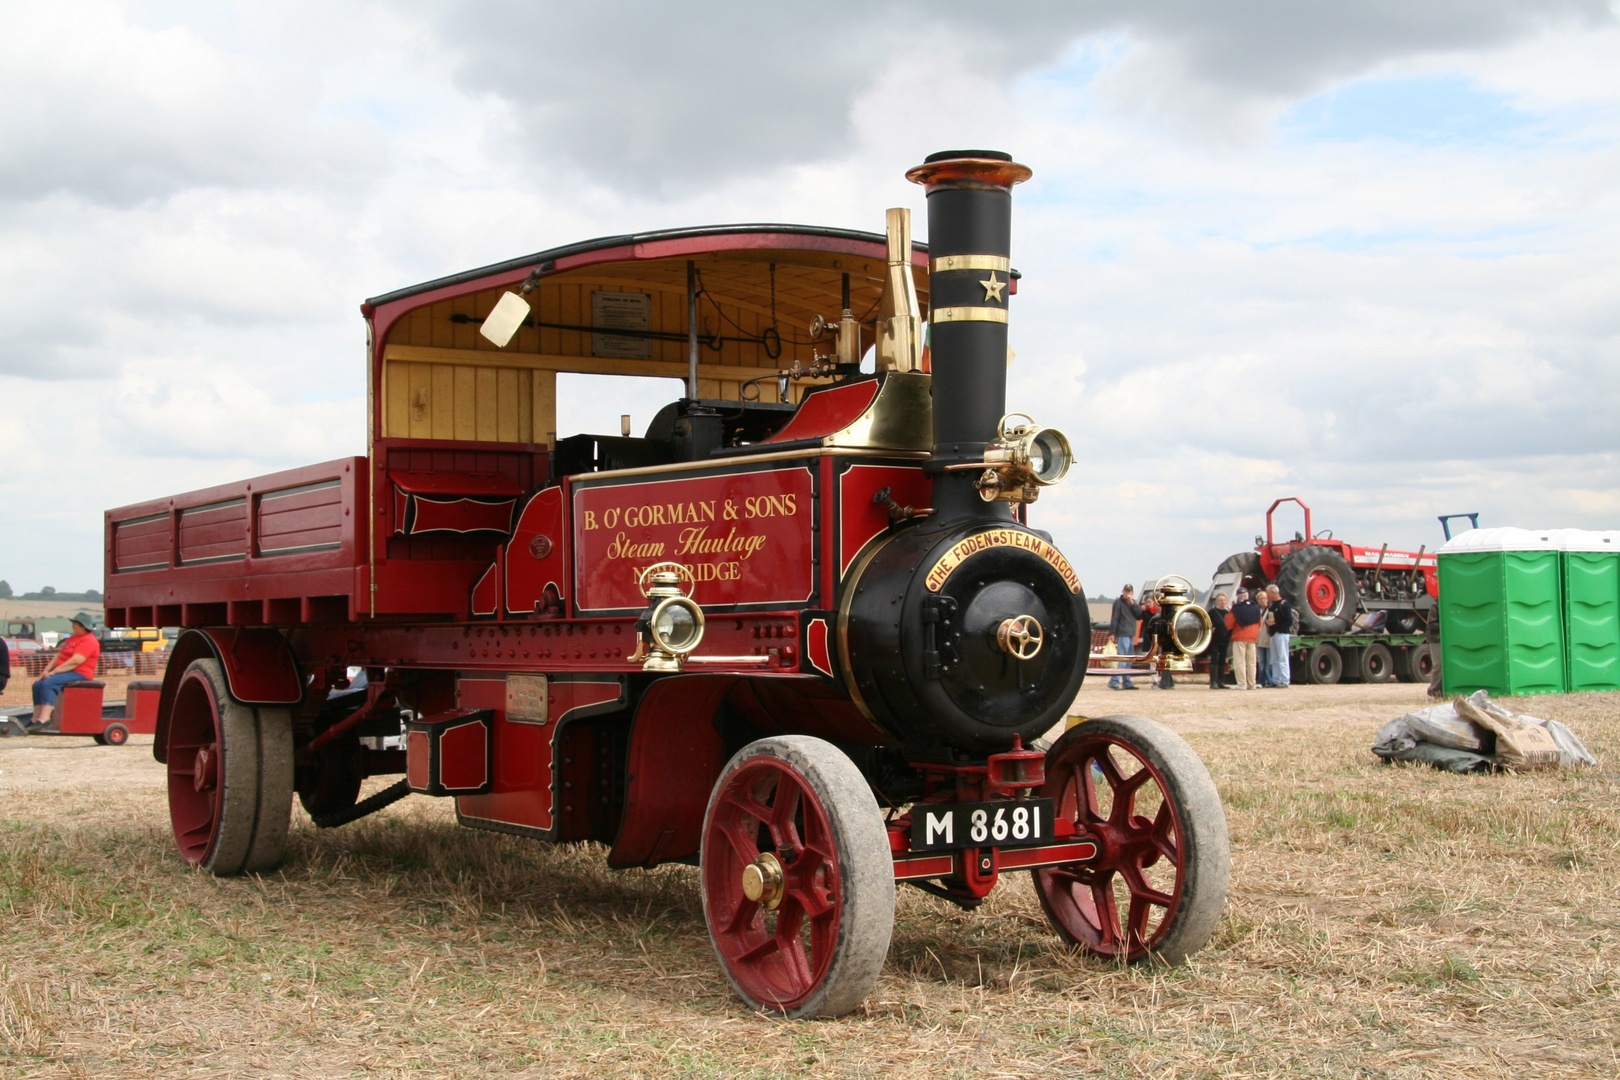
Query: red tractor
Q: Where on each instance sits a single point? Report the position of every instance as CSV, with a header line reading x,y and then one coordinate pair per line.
x,y
1332,582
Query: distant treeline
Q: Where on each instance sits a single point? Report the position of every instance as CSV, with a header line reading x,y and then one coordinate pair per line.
x,y
89,596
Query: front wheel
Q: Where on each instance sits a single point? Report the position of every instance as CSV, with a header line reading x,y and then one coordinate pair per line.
x,y
230,776
798,882
1158,884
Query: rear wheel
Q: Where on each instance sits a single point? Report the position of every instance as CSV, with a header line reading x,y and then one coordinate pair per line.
x,y
1377,665
115,735
1246,564
798,882
1415,664
230,776
1321,585
1325,665
1158,884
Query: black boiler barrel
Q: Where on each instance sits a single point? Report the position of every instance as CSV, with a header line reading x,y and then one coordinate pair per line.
x,y
969,285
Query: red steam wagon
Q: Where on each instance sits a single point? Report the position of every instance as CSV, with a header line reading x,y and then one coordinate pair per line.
x,y
798,633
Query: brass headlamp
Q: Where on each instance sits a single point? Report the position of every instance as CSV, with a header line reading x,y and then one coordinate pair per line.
x,y
672,626
1185,627
1024,458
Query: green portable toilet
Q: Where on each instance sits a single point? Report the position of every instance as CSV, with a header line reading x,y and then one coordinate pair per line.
x,y
1591,608
1502,612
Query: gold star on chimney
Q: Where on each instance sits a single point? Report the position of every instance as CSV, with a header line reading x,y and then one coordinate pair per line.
x,y
992,287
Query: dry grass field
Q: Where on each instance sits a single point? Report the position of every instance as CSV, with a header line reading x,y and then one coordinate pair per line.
x,y
1383,922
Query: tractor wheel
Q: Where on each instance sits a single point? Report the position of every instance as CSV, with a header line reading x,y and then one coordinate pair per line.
x,y
1415,664
1377,664
797,878
230,776
1157,886
115,735
1325,665
1247,564
1403,622
1321,585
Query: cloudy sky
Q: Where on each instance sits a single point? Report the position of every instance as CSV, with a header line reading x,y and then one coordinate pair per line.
x,y
1359,251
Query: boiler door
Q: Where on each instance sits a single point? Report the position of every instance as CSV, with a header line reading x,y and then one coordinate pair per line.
x,y
996,649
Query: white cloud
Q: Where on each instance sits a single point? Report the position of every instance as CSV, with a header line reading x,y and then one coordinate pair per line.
x,y
194,199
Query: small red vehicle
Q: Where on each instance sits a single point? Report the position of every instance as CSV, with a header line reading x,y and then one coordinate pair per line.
x,y
83,710
1331,581
798,633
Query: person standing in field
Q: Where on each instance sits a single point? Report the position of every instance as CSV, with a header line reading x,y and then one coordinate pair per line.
x,y
1220,641
1280,619
1244,623
75,662
1262,642
1122,624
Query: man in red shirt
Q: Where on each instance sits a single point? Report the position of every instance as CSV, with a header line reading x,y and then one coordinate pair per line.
x,y
75,662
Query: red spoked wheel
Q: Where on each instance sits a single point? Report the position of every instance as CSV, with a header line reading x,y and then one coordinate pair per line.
x,y
1158,883
798,882
230,776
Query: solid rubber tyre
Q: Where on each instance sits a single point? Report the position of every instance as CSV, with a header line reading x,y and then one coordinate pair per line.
x,y
803,801
115,735
1322,588
1377,663
1174,866
1325,664
230,776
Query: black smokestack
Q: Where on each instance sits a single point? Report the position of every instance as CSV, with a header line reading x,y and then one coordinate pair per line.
x,y
969,286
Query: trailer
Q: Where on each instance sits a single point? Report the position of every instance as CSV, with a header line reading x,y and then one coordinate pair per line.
x,y
800,632
1326,659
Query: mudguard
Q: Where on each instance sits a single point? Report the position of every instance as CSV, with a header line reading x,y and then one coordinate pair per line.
x,y
259,670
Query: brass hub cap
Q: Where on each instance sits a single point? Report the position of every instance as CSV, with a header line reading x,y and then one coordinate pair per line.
x,y
1020,636
762,881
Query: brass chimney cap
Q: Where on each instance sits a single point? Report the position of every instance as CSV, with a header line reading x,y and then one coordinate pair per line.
x,y
949,167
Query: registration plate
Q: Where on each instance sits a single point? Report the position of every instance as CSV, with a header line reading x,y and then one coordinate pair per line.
x,y
989,824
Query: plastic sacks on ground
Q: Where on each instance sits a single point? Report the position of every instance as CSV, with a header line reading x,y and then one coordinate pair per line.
x,y
1474,734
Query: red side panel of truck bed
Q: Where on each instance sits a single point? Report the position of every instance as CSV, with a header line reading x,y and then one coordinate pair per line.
x,y
279,549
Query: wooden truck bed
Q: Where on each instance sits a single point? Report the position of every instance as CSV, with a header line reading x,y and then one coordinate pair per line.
x,y
285,548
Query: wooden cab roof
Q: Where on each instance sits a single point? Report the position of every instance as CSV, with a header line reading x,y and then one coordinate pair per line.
x,y
435,377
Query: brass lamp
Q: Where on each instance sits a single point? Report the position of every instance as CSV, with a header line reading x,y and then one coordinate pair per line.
x,y
672,626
